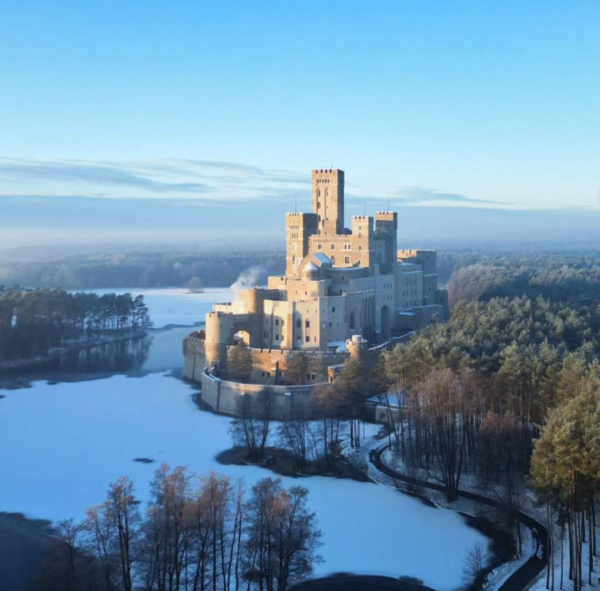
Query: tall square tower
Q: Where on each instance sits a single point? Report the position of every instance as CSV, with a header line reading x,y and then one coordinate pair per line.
x,y
328,200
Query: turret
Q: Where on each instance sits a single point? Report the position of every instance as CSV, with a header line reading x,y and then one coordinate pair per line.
x,y
219,334
328,200
299,228
357,346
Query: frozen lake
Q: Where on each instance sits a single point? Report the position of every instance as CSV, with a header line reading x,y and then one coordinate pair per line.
x,y
62,443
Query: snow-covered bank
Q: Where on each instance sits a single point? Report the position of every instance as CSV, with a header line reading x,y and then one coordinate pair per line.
x,y
61,445
175,305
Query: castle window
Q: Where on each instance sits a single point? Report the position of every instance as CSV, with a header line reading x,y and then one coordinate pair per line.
x,y
307,324
333,247
307,339
276,337
298,323
347,260
320,247
276,322
333,309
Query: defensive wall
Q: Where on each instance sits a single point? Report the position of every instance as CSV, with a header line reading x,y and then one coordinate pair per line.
x,y
287,401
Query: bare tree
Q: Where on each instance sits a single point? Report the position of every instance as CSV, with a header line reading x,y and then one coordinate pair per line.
x,y
294,435
283,538
251,428
124,514
474,563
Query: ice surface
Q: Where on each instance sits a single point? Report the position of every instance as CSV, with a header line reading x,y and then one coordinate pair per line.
x,y
62,444
175,305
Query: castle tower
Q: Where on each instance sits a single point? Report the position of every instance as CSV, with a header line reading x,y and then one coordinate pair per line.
x,y
362,238
299,227
428,259
386,228
219,332
328,200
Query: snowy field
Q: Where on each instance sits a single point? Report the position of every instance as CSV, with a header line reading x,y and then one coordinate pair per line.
x,y
62,444
175,305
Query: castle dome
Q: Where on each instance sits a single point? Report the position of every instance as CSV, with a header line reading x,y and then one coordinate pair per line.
x,y
311,271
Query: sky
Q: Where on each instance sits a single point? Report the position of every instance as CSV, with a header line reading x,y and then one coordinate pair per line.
x,y
201,120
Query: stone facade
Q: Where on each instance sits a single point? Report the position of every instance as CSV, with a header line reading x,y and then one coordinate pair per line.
x,y
339,284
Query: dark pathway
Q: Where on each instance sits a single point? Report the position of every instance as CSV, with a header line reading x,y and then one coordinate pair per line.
x,y
524,575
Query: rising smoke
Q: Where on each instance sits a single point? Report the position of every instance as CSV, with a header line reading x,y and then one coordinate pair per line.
x,y
248,278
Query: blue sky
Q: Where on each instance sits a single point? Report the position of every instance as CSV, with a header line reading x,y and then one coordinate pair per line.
x,y
205,106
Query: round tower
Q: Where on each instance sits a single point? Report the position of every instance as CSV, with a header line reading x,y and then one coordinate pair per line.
x,y
356,346
219,331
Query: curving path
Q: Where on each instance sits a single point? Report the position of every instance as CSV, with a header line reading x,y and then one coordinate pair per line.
x,y
524,575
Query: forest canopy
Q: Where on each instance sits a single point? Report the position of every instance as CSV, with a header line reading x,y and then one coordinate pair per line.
x,y
209,269
32,321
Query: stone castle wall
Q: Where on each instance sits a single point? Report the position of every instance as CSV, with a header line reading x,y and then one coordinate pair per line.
x,y
287,402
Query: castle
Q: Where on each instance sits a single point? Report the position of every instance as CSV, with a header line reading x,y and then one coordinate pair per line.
x,y
344,291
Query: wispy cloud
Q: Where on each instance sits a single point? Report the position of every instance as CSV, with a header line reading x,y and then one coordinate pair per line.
x,y
167,177
93,173
422,195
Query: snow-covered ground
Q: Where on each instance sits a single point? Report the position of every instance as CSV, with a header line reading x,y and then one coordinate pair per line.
x,y
175,305
62,444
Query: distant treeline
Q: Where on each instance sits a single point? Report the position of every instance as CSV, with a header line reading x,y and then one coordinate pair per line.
x,y
209,269
518,274
32,321
557,277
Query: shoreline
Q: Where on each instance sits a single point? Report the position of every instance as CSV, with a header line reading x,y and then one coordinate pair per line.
x,y
18,365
